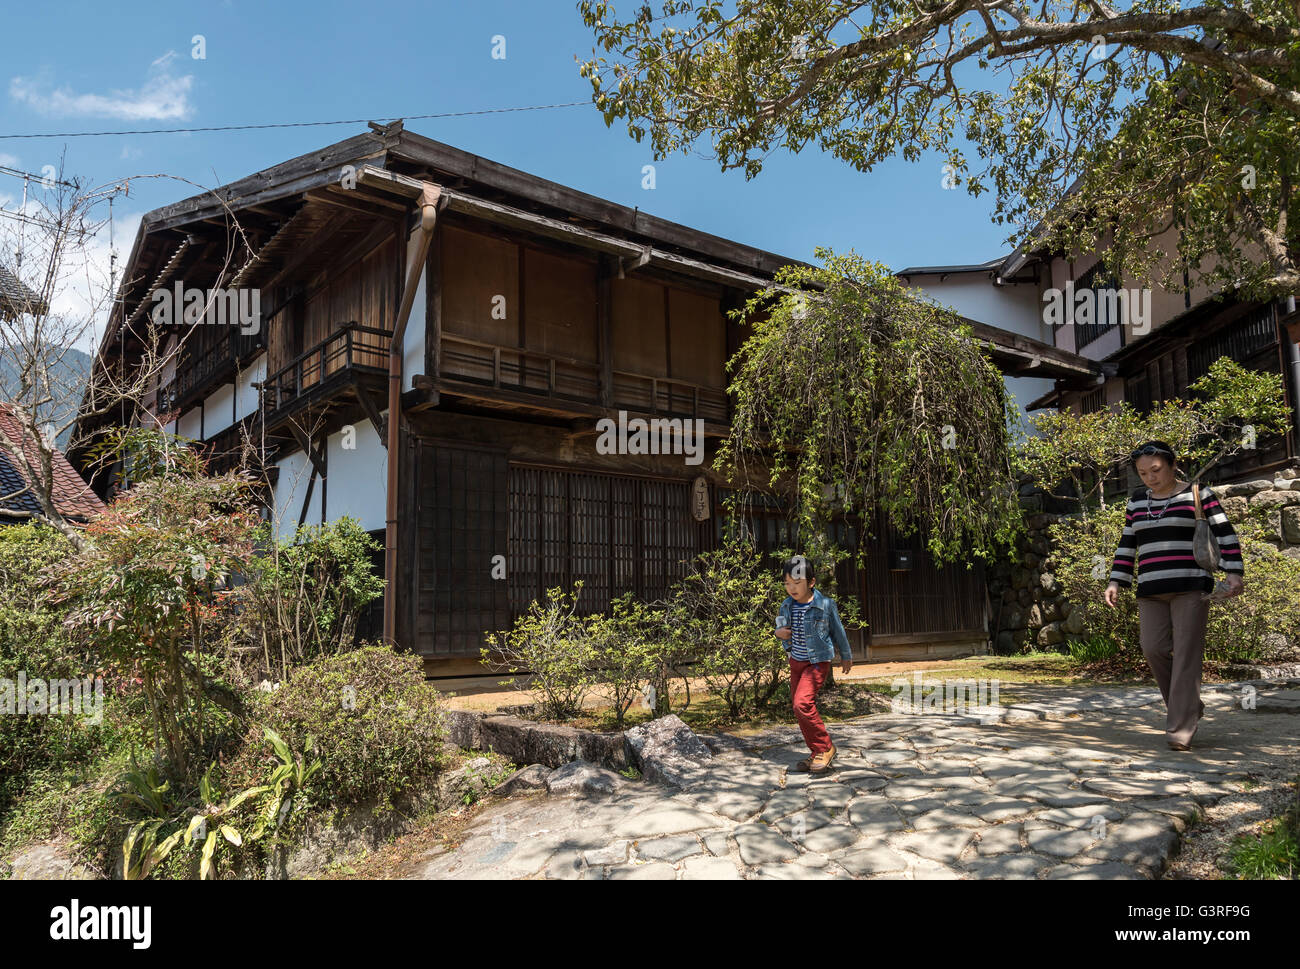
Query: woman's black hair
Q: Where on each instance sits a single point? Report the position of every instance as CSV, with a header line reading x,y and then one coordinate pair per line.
x,y
1152,448
799,567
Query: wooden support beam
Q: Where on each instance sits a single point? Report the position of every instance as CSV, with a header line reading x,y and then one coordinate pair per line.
x,y
306,501
372,411
304,442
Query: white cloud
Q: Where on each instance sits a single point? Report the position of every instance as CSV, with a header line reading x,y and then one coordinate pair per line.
x,y
163,97
9,161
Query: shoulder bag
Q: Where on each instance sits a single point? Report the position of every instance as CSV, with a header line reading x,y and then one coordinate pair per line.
x,y
1204,545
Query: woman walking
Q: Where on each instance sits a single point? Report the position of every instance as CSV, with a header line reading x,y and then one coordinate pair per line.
x,y
1173,591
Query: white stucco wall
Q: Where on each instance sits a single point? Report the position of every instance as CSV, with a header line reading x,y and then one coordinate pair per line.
x,y
358,476
295,471
189,425
245,392
1015,307
218,410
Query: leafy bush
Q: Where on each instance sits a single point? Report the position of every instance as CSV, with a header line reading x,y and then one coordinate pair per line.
x,y
304,595
725,605
141,593
32,641
553,643
377,725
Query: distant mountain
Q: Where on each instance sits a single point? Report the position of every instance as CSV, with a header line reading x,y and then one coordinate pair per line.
x,y
71,371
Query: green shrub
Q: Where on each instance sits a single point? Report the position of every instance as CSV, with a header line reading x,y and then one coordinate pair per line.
x,y
33,642
304,595
725,606
377,726
553,643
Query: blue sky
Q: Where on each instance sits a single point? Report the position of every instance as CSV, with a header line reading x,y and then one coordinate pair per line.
x,y
113,67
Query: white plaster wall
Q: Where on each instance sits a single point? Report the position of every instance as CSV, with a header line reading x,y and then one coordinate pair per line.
x,y
1013,307
414,338
358,477
188,425
245,392
218,410
295,471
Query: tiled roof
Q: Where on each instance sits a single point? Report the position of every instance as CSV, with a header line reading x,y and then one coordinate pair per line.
x,y
72,496
16,298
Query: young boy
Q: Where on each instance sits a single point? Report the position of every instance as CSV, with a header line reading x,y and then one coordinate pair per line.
x,y
809,623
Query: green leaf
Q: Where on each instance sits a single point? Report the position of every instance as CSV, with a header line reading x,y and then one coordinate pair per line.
x,y
207,868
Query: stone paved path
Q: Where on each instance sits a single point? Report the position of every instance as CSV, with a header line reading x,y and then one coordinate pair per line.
x,y
1073,784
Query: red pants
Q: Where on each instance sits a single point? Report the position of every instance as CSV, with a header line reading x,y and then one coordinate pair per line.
x,y
805,680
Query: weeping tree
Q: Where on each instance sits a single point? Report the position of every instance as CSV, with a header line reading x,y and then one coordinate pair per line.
x,y
855,394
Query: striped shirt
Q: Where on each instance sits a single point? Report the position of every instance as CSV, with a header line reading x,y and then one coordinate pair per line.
x,y
798,640
1158,535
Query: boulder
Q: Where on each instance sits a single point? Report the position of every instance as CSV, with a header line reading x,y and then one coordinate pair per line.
x,y
48,863
531,778
1275,499
666,751
1047,582
463,728
1291,525
581,779
1050,634
1234,507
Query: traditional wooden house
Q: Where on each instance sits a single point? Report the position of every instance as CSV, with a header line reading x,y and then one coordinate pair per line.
x,y
1146,356
500,317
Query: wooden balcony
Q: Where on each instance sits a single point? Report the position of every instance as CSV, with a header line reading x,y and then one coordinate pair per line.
x,y
353,359
202,366
486,371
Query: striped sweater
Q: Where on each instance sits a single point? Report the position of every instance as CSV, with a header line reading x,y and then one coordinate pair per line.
x,y
1159,536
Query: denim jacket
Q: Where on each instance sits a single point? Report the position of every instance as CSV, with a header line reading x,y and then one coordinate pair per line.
x,y
824,630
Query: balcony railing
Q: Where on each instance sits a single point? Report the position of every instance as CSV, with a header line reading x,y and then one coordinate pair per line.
x,y
350,349
201,365
564,378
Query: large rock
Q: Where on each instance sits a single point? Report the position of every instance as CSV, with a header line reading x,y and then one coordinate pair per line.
x,y
48,863
579,778
1291,525
1275,499
531,778
529,742
463,728
666,751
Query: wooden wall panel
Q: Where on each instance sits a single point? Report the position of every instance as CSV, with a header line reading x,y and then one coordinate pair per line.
x,y
475,268
462,522
617,534
697,337
639,337
561,297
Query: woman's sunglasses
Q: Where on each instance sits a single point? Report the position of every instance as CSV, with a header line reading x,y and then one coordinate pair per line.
x,y
1149,450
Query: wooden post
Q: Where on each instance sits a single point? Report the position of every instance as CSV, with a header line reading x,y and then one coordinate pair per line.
x,y
604,328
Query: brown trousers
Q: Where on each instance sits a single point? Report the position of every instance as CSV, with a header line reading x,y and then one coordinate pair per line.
x,y
1173,641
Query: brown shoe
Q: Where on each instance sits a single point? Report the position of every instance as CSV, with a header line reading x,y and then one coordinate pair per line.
x,y
804,765
821,763
1174,746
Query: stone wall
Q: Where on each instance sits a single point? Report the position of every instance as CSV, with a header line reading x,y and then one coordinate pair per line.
x,y
1028,608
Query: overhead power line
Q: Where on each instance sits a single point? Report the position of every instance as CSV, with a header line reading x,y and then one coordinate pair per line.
x,y
291,124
